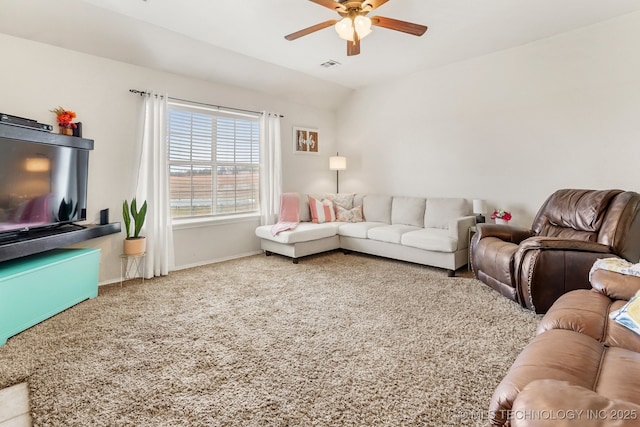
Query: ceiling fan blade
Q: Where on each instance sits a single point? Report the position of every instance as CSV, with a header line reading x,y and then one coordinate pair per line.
x,y
331,4
395,24
353,47
369,5
311,29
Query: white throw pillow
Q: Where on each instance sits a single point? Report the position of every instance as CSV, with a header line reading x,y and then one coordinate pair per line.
x,y
342,199
349,215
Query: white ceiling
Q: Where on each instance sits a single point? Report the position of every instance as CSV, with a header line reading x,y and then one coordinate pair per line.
x,y
247,36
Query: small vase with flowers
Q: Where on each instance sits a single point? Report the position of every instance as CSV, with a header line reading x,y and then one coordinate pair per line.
x,y
64,118
500,216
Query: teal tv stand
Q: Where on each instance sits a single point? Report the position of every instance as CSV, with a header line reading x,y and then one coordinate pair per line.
x,y
36,287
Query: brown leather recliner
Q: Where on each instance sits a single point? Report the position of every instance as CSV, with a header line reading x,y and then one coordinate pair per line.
x,y
572,229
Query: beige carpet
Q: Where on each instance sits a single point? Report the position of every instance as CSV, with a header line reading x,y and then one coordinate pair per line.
x,y
337,340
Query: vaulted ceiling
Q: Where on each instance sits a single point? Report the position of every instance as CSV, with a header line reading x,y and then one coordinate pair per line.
x,y
245,38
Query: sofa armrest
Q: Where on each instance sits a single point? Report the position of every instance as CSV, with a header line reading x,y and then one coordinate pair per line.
x,y
459,230
507,233
544,403
615,285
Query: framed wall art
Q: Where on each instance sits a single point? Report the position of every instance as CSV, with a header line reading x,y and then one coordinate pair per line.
x,y
305,140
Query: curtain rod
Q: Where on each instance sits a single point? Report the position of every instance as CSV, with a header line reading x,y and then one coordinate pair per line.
x,y
142,93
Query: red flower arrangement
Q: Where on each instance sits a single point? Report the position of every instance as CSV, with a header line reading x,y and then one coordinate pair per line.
x,y
501,214
64,117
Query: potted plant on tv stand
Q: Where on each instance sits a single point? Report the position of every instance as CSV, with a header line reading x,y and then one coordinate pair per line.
x,y
136,244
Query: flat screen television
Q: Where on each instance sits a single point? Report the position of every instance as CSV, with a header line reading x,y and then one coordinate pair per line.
x,y
41,184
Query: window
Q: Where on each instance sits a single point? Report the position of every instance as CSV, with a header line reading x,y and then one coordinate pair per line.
x,y
214,161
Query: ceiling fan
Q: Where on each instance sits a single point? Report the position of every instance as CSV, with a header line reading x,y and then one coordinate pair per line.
x,y
355,24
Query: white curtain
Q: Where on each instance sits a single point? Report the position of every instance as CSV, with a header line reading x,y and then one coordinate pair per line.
x,y
270,167
153,186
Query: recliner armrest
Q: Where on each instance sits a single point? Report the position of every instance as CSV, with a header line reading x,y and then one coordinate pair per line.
x,y
507,233
559,404
547,267
543,242
615,285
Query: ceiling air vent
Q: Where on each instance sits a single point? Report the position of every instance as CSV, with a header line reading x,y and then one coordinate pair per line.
x,y
330,63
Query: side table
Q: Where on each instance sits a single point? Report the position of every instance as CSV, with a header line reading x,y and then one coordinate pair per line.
x,y
132,266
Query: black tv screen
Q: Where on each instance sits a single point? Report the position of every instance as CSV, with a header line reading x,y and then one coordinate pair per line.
x,y
41,185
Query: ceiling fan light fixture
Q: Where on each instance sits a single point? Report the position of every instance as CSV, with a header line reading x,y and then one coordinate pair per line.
x,y
354,25
362,24
344,28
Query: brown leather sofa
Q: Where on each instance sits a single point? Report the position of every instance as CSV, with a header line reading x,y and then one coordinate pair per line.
x,y
570,232
582,369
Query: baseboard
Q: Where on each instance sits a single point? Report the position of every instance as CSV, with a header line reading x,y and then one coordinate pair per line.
x,y
217,260
197,264
109,282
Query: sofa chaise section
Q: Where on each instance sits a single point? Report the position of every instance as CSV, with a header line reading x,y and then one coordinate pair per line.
x,y
306,239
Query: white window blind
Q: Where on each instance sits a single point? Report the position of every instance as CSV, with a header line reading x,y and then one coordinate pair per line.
x,y
214,161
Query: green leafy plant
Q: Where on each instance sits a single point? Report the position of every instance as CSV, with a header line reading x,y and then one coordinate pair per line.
x,y
138,217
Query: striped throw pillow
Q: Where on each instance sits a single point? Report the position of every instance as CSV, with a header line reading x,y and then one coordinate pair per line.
x,y
321,211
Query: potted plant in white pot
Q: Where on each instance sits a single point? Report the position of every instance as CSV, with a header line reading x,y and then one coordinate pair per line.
x,y
136,244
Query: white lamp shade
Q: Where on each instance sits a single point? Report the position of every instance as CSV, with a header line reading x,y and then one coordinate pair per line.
x,y
362,25
344,28
479,206
337,163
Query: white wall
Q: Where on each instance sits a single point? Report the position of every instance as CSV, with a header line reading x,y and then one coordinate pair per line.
x,y
509,127
39,77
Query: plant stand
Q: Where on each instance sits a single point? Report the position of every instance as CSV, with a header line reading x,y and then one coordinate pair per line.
x,y
132,266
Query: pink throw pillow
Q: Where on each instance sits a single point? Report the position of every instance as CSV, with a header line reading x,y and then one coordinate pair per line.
x,y
321,211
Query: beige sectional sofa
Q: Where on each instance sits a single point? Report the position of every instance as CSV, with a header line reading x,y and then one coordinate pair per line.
x,y
428,231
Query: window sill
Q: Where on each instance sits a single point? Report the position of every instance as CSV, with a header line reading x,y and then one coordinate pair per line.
x,y
182,224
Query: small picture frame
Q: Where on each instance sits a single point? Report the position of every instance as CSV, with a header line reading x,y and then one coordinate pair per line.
x,y
306,140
